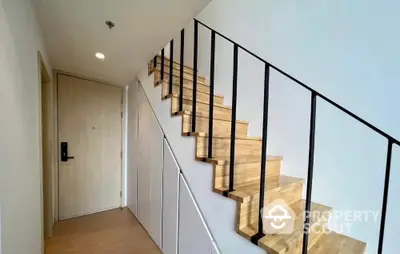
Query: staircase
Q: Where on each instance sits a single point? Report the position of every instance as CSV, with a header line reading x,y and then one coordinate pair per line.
x,y
247,165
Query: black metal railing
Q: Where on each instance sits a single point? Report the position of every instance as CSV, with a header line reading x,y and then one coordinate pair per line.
x,y
195,57
260,234
211,100
315,96
233,118
310,171
182,59
162,65
386,192
171,66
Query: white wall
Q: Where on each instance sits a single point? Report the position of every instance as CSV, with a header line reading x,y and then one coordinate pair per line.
x,y
20,157
345,50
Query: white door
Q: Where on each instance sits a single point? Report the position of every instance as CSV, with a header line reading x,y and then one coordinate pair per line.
x,y
89,122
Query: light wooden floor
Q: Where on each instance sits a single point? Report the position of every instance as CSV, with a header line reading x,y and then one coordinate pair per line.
x,y
112,232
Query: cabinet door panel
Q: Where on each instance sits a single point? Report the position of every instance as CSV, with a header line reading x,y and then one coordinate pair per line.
x,y
150,173
193,236
133,149
170,205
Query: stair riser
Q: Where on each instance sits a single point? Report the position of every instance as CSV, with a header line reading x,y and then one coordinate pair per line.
x,y
338,243
313,238
221,147
244,172
219,150
200,87
220,127
295,244
176,65
176,74
188,94
249,211
221,113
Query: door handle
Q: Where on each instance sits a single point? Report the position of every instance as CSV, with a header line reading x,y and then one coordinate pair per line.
x,y
64,152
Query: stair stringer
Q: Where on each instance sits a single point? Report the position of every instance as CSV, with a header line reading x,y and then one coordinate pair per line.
x,y
218,211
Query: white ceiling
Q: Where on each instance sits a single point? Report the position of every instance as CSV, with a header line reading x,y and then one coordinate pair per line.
x,y
74,30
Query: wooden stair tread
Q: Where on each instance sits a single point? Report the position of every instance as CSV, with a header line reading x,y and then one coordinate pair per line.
x,y
246,191
186,86
176,66
298,208
220,127
223,160
292,243
205,115
200,85
221,112
203,134
189,113
200,101
334,243
187,76
185,97
287,243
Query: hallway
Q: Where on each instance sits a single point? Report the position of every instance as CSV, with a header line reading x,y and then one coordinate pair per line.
x,y
112,232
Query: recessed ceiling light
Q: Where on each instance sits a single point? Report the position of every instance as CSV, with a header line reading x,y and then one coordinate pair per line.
x,y
100,55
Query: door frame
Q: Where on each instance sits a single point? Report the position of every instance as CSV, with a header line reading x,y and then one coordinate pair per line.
x,y
57,73
47,152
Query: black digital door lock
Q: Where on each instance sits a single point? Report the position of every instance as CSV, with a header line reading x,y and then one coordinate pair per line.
x,y
64,152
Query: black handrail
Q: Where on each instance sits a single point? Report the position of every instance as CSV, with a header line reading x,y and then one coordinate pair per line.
x,y
314,97
395,141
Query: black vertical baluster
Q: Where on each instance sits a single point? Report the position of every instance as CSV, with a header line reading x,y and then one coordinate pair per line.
x,y
260,233
211,113
162,65
195,52
385,196
181,70
155,62
171,66
233,123
310,170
